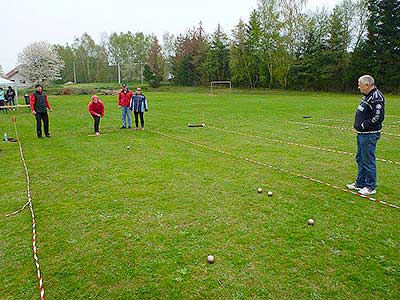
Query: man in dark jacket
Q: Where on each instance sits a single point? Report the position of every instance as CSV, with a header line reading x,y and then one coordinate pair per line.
x,y
39,103
10,96
368,123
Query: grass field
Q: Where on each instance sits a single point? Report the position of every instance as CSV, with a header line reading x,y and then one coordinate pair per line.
x,y
115,223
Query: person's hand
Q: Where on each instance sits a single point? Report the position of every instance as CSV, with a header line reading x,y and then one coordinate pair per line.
x,y
119,106
33,112
51,110
99,115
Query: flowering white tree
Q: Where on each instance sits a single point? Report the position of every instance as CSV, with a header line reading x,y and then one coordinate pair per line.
x,y
40,63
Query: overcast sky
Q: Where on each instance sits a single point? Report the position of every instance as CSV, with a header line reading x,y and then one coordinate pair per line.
x,y
59,21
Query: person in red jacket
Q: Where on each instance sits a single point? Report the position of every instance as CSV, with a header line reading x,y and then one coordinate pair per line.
x,y
39,104
124,99
96,109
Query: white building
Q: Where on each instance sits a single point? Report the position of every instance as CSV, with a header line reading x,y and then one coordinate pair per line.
x,y
16,76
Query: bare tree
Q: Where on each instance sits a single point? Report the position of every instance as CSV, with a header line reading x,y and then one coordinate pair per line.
x,y
40,63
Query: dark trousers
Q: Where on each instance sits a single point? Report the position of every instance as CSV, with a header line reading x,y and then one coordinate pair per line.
x,y
3,103
39,117
137,114
96,123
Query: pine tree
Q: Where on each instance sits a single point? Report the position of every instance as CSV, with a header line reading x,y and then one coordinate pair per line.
x,y
218,56
154,68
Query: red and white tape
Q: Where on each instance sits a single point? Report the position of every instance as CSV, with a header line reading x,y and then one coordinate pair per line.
x,y
34,247
335,127
298,144
276,168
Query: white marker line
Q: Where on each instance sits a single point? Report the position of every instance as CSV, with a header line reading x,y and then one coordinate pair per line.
x,y
299,145
275,168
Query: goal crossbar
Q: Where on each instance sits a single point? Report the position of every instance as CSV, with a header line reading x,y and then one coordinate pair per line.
x,y
225,82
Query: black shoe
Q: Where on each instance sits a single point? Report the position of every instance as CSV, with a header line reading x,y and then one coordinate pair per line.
x,y
130,127
122,127
48,135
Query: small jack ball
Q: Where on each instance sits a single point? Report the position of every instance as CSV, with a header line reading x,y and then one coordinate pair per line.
x,y
270,193
259,190
310,222
210,259
128,147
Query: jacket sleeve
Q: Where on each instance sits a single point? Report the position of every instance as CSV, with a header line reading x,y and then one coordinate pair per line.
x,y
32,101
102,109
90,108
146,108
131,103
47,102
378,114
119,99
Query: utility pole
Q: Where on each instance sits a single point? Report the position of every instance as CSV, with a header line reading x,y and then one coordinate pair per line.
x,y
119,73
74,73
141,73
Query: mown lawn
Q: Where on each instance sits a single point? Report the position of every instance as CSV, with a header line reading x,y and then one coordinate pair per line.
x,y
138,223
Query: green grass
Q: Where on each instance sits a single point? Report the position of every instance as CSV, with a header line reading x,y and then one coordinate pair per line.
x,y
115,223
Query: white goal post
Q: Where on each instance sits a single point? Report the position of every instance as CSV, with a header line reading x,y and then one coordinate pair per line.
x,y
221,82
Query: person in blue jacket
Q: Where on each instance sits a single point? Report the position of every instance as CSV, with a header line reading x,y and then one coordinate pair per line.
x,y
138,105
368,124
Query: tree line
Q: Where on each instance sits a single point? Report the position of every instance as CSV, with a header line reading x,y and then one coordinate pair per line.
x,y
282,46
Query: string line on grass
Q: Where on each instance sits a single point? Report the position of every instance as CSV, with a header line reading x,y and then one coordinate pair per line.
x,y
348,121
298,144
239,157
34,247
335,127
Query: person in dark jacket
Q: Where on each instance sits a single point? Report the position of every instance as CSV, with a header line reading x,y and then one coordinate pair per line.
x,y
139,106
368,123
96,109
10,96
39,104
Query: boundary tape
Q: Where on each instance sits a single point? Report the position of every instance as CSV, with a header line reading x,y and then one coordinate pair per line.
x,y
276,168
299,145
348,121
335,127
34,247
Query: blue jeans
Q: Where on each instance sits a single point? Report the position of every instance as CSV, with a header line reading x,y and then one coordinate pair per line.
x,y
126,113
366,160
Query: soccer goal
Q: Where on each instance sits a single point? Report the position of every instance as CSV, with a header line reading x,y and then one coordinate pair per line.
x,y
221,87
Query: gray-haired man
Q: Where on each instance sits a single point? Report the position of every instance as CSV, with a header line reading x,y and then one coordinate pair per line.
x,y
368,123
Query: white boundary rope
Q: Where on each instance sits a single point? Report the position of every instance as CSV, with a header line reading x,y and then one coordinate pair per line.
x,y
348,121
299,145
335,127
35,257
276,168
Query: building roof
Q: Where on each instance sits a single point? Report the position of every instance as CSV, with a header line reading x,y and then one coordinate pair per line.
x,y
12,72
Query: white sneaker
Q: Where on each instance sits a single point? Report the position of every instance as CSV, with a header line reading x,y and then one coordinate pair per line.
x,y
353,186
366,191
